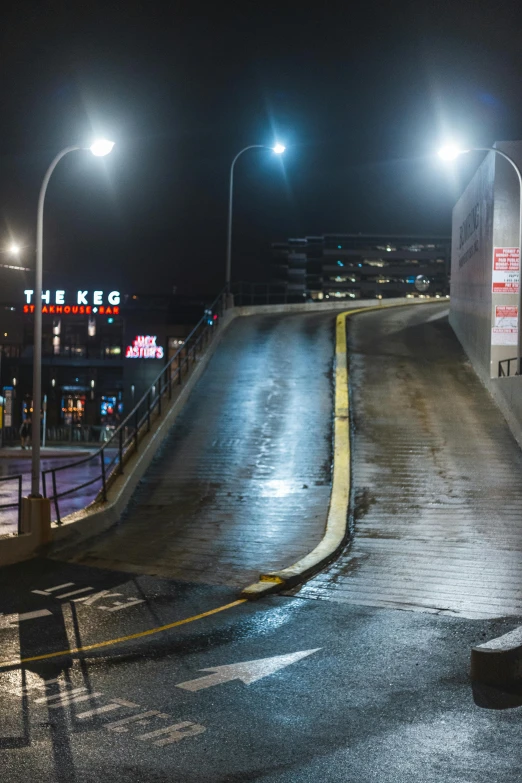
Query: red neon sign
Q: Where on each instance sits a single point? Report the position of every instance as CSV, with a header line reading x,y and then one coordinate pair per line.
x,y
75,309
144,347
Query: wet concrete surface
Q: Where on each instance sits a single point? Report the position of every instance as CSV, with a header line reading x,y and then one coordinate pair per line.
x,y
242,484
437,494
385,696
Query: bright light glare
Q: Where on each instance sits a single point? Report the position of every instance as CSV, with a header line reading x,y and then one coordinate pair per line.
x,y
14,249
450,152
101,147
278,149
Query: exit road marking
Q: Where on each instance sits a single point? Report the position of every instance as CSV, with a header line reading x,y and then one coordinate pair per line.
x,y
10,620
247,671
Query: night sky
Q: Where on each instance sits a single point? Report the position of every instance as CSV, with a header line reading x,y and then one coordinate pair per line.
x,y
361,95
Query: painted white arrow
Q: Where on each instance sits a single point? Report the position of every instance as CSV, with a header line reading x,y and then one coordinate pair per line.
x,y
10,620
247,671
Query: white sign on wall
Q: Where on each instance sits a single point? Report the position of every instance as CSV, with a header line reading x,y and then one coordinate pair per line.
x,y
506,270
8,407
505,330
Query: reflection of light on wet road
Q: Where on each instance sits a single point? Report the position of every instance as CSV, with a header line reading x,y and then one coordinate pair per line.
x,y
278,488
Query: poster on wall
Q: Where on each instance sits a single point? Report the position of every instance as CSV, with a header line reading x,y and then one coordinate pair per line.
x,y
505,330
506,271
8,406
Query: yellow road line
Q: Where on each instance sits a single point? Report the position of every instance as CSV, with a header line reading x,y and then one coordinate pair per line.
x,y
337,520
120,639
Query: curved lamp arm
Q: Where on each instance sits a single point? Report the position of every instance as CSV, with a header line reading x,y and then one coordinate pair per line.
x,y
37,347
230,203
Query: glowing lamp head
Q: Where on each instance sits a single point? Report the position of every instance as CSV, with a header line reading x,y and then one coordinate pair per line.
x,y
14,249
101,147
279,149
450,152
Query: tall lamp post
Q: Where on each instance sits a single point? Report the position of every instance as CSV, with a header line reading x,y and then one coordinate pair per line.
x,y
278,149
99,148
451,152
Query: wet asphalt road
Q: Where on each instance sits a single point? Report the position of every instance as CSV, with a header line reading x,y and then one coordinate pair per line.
x,y
242,484
381,695
385,697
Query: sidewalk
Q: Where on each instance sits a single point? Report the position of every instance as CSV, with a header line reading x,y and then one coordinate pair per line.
x,y
17,452
18,462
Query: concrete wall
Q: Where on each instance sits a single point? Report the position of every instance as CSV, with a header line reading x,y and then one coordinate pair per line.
x,y
487,217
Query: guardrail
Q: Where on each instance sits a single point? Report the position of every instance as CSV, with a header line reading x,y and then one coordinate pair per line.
x,y
109,460
264,294
18,503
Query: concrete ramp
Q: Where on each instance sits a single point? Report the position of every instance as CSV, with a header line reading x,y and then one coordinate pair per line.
x,y
242,482
436,477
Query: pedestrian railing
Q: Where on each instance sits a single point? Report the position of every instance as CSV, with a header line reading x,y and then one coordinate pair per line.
x,y
109,460
265,294
507,367
18,503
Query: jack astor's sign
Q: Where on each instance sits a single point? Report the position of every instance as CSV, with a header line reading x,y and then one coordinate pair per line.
x,y
81,303
144,347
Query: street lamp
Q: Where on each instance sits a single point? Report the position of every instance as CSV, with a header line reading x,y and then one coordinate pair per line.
x,y
14,249
278,149
99,147
452,151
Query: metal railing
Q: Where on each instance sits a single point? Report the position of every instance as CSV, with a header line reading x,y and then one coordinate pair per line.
x,y
504,367
264,294
18,503
109,460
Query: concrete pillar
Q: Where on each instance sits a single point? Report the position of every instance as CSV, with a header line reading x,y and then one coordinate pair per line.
x,y
36,519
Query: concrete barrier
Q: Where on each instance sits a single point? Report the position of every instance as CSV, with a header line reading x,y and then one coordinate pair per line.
x,y
499,661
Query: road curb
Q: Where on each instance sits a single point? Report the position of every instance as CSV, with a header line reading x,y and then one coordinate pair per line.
x,y
336,533
499,661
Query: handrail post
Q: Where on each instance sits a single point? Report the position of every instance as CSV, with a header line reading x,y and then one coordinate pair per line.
x,y
19,505
104,484
148,411
55,493
159,396
136,430
120,449
179,369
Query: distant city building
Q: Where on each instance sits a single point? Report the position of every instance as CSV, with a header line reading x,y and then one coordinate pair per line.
x,y
362,266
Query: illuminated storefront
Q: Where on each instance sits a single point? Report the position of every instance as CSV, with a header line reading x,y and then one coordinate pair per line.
x,y
101,350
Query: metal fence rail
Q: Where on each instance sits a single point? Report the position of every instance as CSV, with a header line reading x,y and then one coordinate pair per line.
x,y
125,440
504,367
265,294
18,503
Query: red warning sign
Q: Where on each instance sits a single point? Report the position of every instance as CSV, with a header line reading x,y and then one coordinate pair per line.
x,y
506,270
